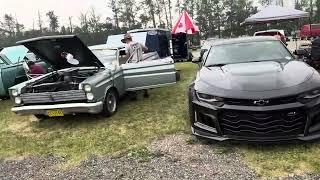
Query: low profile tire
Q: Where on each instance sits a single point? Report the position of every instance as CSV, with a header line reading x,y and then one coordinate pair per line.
x,y
110,105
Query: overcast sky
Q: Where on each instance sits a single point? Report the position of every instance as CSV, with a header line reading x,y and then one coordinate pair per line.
x,y
26,10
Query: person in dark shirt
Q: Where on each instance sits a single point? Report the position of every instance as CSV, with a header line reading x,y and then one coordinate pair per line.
x,y
35,69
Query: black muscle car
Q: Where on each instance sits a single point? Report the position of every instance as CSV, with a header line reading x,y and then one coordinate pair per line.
x,y
253,89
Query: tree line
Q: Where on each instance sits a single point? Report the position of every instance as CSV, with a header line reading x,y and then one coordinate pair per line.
x,y
215,18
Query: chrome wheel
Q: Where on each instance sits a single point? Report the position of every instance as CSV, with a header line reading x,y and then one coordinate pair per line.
x,y
110,105
111,102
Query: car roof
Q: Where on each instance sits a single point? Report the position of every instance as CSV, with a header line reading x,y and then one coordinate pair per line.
x,y
270,30
242,40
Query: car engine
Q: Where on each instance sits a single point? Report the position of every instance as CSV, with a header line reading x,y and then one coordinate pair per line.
x,y
60,81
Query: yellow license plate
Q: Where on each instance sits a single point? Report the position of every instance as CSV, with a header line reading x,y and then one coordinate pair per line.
x,y
55,113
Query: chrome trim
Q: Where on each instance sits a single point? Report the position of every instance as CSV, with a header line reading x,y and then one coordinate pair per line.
x,y
150,87
93,108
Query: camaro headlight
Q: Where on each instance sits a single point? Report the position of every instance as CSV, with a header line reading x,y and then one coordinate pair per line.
x,y
90,96
14,93
310,95
87,88
214,100
18,100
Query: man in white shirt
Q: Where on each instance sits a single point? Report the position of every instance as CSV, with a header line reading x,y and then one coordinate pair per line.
x,y
134,53
134,49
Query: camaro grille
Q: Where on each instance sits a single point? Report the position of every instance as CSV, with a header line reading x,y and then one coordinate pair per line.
x,y
52,97
263,124
266,102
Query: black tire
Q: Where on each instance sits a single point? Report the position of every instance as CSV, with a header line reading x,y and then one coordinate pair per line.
x,y
178,76
190,57
110,105
40,117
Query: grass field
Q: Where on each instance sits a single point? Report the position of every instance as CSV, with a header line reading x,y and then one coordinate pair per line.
x,y
135,125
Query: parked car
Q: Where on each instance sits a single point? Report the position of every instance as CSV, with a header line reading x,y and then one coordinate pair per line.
x,y
11,67
84,80
156,39
273,32
306,32
240,94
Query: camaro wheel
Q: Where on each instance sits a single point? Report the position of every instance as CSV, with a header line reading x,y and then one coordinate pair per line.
x,y
110,105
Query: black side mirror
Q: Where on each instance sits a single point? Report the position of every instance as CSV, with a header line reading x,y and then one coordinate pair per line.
x,y
122,52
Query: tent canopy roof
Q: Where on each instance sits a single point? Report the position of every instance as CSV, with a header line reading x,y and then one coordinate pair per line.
x,y
275,13
185,25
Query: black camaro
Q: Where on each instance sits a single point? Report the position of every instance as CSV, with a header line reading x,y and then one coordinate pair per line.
x,y
253,89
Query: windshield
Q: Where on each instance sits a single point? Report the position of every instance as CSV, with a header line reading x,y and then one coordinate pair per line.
x,y
15,54
248,52
106,56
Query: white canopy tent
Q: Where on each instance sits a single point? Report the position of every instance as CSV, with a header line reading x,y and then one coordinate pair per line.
x,y
275,13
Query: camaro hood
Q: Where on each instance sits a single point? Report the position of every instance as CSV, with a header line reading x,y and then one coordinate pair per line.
x,y
49,48
257,76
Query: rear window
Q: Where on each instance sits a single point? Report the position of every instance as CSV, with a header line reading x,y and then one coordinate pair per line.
x,y
268,33
315,26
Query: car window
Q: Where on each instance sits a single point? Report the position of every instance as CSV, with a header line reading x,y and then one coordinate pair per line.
x,y
106,56
271,33
15,54
248,52
2,62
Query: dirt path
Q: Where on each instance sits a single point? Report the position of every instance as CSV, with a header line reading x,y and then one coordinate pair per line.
x,y
174,157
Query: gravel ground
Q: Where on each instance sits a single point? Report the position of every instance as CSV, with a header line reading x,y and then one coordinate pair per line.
x,y
174,157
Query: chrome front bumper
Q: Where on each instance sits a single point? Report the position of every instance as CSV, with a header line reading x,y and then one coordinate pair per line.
x,y
92,108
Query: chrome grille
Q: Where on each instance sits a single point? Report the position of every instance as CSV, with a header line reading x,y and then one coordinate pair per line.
x,y
263,124
52,97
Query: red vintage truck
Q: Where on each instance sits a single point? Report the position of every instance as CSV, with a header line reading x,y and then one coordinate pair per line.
x,y
306,32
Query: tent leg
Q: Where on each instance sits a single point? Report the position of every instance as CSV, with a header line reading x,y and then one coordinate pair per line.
x,y
310,22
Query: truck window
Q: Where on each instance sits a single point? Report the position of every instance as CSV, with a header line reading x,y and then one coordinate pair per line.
x,y
315,26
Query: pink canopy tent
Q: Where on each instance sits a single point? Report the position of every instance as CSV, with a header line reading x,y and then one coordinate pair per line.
x,y
185,25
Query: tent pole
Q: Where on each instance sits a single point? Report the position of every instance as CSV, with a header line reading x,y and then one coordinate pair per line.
x,y
310,22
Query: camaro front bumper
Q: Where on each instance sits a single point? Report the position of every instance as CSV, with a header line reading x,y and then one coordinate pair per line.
x,y
293,121
71,108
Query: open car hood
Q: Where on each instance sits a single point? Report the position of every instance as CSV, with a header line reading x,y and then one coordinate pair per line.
x,y
49,48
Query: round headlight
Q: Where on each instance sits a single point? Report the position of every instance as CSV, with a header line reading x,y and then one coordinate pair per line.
x,y
14,93
18,100
90,96
87,88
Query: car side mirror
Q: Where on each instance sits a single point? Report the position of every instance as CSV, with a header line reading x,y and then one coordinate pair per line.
x,y
122,52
